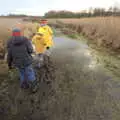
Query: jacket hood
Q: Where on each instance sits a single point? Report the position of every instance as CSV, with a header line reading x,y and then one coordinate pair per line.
x,y
17,40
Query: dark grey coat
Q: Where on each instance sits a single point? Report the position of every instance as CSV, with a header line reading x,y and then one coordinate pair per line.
x,y
19,51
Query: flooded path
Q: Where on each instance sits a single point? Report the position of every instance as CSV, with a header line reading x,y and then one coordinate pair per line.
x,y
87,90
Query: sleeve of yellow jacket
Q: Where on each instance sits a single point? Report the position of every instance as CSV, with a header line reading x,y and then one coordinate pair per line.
x,y
46,41
50,40
50,30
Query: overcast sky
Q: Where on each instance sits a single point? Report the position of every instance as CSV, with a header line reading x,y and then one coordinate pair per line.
x,y
39,7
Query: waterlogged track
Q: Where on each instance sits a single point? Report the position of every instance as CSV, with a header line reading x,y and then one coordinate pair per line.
x,y
82,89
85,89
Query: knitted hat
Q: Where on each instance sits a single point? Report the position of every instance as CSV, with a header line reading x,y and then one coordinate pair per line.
x,y
16,32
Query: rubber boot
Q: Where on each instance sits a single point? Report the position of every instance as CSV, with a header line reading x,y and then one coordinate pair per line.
x,y
25,85
34,86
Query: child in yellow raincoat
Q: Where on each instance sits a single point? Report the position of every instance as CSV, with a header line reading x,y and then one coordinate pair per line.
x,y
40,43
48,34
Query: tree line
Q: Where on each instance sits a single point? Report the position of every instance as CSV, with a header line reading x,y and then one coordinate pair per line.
x,y
112,11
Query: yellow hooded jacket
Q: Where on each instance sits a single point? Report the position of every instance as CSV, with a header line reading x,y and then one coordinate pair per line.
x,y
39,41
48,34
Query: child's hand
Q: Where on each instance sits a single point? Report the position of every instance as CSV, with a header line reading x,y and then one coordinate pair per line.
x,y
47,48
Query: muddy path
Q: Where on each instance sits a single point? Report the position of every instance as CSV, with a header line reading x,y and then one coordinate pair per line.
x,y
81,89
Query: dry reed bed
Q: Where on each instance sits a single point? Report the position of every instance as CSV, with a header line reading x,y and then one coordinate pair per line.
x,y
104,31
6,24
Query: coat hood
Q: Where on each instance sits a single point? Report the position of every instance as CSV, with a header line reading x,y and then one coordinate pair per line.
x,y
17,40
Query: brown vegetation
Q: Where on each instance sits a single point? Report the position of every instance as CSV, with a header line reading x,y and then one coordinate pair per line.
x,y
103,31
6,24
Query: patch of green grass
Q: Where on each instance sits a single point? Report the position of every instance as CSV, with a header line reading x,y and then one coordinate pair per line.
x,y
74,36
110,61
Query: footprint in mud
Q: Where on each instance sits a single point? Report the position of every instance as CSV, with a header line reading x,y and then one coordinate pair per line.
x,y
32,104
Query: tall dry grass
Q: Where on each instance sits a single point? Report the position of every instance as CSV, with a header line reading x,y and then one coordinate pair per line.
x,y
6,25
103,31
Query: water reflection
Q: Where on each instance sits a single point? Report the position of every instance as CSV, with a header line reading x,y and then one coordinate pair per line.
x,y
92,61
87,53
93,64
